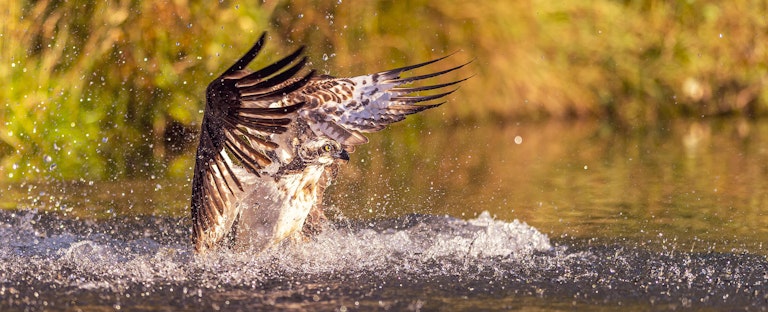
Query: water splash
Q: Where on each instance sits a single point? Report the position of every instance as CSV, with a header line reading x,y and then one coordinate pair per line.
x,y
127,252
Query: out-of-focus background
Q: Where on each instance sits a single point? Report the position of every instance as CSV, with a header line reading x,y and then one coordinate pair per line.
x,y
101,90
631,136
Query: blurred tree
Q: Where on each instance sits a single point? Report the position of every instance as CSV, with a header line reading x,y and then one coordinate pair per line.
x,y
106,89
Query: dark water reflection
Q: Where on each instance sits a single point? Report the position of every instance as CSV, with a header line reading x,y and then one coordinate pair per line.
x,y
669,216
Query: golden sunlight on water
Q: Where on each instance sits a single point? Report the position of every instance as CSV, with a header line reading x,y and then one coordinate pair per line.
x,y
700,184
659,217
687,181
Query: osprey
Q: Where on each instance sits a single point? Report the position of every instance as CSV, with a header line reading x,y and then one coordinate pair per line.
x,y
271,142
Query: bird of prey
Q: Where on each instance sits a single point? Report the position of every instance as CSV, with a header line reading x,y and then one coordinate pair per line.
x,y
272,140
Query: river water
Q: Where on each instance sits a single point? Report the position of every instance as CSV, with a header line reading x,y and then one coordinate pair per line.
x,y
555,216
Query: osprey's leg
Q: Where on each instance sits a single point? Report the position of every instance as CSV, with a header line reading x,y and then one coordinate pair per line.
x,y
316,220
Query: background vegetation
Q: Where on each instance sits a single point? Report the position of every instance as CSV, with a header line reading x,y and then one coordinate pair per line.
x,y
107,89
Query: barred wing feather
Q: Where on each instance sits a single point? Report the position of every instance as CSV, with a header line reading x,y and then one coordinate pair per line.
x,y
240,115
343,108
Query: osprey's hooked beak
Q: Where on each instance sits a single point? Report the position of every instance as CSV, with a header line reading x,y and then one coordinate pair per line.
x,y
343,155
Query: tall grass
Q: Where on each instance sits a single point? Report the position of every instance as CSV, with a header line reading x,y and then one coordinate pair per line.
x,y
107,89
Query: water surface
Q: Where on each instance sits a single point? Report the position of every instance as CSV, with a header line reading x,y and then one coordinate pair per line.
x,y
571,216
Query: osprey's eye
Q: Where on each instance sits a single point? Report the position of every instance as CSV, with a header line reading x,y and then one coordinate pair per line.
x,y
327,148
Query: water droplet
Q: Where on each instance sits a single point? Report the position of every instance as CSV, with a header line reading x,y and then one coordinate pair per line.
x,y
518,139
47,158
325,57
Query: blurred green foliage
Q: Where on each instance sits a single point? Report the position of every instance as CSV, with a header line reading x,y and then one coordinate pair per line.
x,y
108,89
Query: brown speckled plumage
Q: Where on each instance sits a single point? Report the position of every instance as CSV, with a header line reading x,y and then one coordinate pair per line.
x,y
272,141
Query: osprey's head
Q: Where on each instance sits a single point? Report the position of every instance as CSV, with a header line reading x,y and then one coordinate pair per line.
x,y
321,151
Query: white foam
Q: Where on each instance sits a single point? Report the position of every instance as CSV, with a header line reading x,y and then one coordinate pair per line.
x,y
447,241
434,245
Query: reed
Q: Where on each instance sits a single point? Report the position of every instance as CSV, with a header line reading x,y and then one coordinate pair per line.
x,y
109,89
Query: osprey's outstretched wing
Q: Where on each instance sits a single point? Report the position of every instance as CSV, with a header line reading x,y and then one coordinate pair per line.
x,y
239,117
343,108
